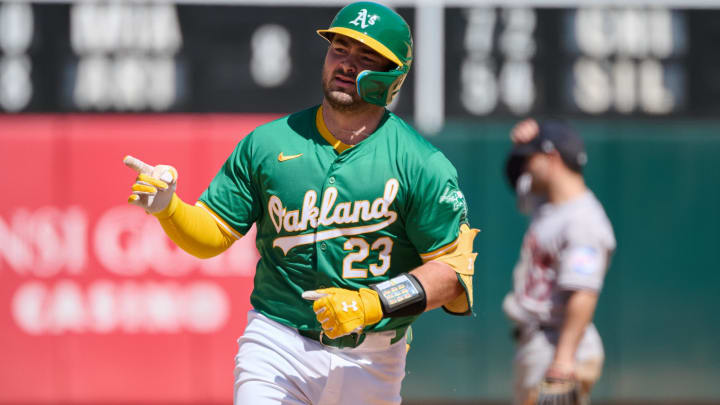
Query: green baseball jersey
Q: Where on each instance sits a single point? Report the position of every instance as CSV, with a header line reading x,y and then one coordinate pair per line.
x,y
330,215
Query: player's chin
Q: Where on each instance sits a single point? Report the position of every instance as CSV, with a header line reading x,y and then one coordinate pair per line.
x,y
342,100
341,97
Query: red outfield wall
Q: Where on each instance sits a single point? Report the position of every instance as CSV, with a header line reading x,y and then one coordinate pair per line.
x,y
96,304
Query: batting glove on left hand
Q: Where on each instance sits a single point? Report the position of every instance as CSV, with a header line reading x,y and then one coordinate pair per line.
x,y
154,185
342,312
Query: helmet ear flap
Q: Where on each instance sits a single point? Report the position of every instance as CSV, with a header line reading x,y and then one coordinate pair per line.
x,y
380,88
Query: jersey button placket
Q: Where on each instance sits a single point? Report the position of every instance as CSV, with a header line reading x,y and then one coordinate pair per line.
x,y
330,181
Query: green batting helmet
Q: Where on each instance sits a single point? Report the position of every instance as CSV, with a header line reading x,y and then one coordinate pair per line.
x,y
384,31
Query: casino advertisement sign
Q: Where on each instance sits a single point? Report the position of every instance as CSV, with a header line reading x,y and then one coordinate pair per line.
x,y
96,303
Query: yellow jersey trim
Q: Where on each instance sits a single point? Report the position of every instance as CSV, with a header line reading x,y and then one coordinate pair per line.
x,y
426,257
228,229
337,144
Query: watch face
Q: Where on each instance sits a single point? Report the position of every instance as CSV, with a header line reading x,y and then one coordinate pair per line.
x,y
398,291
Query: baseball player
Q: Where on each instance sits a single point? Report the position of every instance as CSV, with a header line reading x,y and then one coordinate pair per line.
x,y
361,227
558,276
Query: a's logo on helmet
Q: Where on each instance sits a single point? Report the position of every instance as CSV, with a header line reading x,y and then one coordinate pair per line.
x,y
363,19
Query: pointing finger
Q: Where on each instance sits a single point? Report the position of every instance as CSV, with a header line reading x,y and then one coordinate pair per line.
x,y
137,165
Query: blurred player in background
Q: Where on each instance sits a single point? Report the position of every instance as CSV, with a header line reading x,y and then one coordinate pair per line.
x,y
559,274
361,227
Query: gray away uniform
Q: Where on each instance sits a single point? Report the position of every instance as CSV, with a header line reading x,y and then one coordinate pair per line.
x,y
567,247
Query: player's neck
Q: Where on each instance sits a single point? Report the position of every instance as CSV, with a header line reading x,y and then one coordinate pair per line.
x,y
570,187
352,127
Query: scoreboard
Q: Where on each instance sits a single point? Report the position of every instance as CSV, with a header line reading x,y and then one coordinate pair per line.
x,y
179,57
582,61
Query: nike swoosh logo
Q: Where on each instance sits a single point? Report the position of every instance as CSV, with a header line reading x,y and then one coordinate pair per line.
x,y
282,158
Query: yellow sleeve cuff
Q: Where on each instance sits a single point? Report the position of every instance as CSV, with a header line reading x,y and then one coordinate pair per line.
x,y
170,209
194,229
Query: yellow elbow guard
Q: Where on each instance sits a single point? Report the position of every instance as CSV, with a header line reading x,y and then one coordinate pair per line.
x,y
462,260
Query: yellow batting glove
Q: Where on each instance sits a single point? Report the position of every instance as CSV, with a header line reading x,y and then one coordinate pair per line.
x,y
342,312
154,185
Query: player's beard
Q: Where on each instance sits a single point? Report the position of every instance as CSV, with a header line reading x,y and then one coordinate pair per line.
x,y
340,99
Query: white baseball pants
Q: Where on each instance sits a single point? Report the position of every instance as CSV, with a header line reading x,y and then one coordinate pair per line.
x,y
275,365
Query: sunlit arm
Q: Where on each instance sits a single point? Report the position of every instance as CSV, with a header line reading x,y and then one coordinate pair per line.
x,y
580,310
440,283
